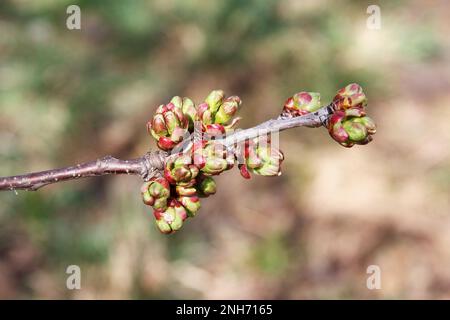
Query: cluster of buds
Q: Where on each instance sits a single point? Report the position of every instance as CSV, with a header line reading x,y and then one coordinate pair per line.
x,y
217,112
168,213
169,125
173,204
176,196
188,174
212,157
349,125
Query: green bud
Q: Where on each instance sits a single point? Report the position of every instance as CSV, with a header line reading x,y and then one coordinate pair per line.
x,y
207,117
268,169
146,197
169,125
368,123
261,158
191,204
214,100
179,210
214,166
159,188
163,226
350,130
350,97
213,158
177,222
160,204
179,170
185,190
156,192
356,131
207,186
302,103
350,90
190,111
187,107
254,161
271,161
182,160
227,110
169,221
204,114
177,102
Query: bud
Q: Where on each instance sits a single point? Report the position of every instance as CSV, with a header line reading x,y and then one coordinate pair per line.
x,y
206,186
185,190
214,166
349,124
156,192
163,226
179,209
168,126
350,90
169,221
191,204
356,131
244,171
227,110
214,129
260,158
204,114
302,103
177,102
180,170
212,158
368,123
214,100
187,106
271,161
350,97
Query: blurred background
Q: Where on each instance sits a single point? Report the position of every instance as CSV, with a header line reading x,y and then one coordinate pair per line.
x,y
68,96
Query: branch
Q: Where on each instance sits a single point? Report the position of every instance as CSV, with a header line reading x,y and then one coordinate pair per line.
x,y
316,119
152,163
146,166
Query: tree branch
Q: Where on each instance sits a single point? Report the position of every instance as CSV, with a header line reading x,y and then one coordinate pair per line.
x,y
146,166
152,163
315,119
